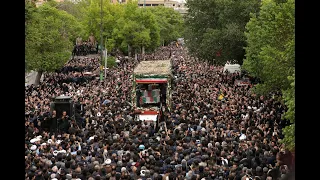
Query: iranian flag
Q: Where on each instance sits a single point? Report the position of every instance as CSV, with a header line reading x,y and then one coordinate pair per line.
x,y
156,95
146,100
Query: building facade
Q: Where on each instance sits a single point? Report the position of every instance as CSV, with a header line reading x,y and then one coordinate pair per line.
x,y
177,5
118,1
150,3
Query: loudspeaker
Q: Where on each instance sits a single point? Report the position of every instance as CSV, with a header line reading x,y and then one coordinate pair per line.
x,y
63,106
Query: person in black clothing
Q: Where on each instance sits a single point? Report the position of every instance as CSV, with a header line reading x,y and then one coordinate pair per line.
x,y
73,128
79,112
63,122
199,129
53,120
74,51
46,122
97,48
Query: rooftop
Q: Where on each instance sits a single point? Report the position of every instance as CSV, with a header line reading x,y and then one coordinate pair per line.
x,y
161,67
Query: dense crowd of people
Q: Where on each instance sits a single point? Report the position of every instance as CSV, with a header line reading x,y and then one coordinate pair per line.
x,y
83,48
215,129
163,53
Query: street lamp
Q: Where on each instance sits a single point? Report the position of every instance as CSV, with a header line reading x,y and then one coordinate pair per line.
x,y
101,39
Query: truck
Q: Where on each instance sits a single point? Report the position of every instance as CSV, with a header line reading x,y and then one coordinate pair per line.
x,y
151,94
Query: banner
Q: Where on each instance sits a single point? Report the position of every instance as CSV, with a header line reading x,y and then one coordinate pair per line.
x,y
242,82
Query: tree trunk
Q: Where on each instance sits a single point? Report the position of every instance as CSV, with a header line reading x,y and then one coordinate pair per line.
x,y
38,77
129,50
135,54
143,52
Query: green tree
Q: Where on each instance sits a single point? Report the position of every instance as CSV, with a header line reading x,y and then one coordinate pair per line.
x,y
111,61
289,131
79,10
124,24
48,40
215,28
118,34
75,9
270,55
170,23
271,43
137,28
30,8
52,3
92,19
135,35
150,26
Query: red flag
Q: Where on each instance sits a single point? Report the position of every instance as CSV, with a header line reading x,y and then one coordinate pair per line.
x,y
150,96
218,54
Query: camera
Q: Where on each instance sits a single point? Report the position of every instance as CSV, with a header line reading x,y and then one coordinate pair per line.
x,y
143,172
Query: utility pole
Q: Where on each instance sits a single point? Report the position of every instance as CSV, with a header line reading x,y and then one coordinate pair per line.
x,y
105,63
144,6
101,51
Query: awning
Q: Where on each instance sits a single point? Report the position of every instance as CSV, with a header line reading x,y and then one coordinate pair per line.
x,y
148,117
151,80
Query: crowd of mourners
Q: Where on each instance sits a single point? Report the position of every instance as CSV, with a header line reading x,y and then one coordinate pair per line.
x,y
162,53
215,129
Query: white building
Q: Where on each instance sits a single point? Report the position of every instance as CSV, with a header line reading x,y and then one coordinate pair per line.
x,y
177,5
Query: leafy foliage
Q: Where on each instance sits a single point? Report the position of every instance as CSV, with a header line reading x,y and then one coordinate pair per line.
x,y
125,24
170,23
270,55
52,28
48,39
215,28
289,139
270,51
111,61
30,8
136,28
289,96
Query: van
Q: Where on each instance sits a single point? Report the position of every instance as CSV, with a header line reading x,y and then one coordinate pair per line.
x,y
232,68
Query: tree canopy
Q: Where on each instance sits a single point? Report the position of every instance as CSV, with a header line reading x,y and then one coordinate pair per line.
x,y
271,42
289,131
170,23
215,28
126,24
49,36
52,28
270,54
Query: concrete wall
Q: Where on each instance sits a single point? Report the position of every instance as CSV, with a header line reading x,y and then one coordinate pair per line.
x,y
30,78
